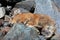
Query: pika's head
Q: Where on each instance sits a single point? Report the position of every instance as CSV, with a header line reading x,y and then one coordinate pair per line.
x,y
48,30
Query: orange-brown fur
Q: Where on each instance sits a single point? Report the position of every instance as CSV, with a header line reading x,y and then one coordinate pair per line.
x,y
32,19
35,20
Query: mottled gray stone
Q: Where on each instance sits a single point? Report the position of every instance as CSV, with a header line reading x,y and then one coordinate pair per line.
x,y
29,0
25,4
2,12
18,11
46,7
21,32
42,37
51,8
57,3
56,37
0,4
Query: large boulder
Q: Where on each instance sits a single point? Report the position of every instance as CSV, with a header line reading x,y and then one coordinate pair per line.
x,y
18,11
22,32
47,7
51,8
24,6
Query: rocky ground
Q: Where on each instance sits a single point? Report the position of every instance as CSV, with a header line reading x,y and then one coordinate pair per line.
x,y
16,32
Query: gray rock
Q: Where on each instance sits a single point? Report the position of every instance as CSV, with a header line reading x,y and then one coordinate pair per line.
x,y
0,4
29,0
25,4
18,11
2,12
21,32
51,8
14,0
8,8
42,37
56,37
1,35
46,7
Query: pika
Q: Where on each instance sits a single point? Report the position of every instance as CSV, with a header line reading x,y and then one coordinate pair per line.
x,y
36,20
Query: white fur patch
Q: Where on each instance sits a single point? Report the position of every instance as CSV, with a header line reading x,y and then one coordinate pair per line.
x,y
29,25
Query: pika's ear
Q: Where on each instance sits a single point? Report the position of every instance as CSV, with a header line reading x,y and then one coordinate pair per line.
x,y
7,18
